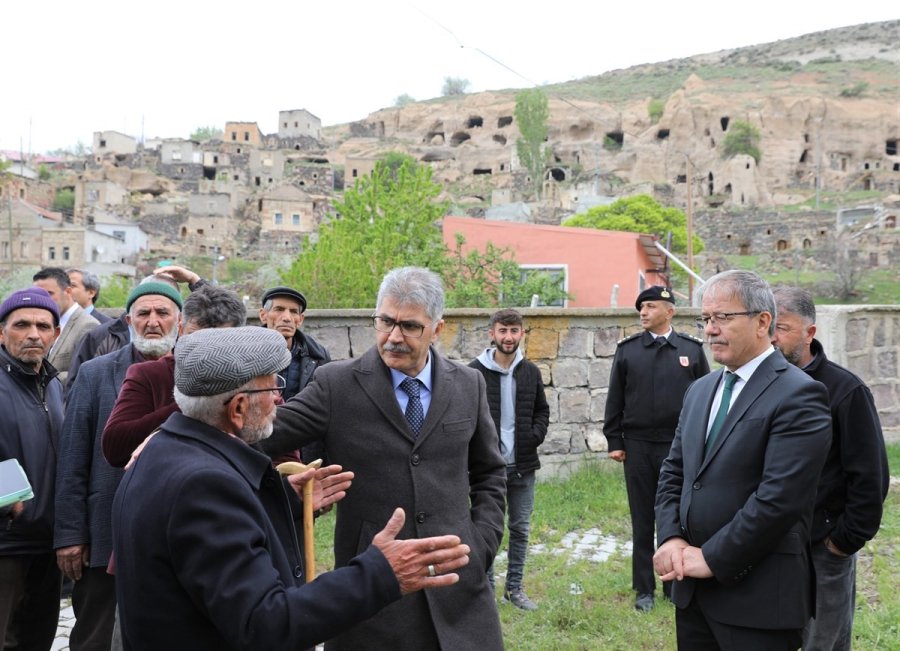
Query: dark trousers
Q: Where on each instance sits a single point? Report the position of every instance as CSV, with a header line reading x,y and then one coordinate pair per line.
x,y
29,601
832,628
94,603
643,460
696,632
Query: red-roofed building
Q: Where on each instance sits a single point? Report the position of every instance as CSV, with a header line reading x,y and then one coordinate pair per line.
x,y
600,268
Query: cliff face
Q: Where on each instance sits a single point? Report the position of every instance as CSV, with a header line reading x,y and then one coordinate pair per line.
x,y
825,104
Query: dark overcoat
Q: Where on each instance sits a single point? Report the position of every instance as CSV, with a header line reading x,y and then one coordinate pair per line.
x,y
449,480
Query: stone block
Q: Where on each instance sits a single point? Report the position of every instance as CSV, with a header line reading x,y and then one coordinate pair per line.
x,y
884,395
880,335
361,339
596,442
598,406
570,372
546,375
543,343
605,340
335,339
576,342
857,334
574,405
598,372
553,402
887,364
557,441
861,364
578,442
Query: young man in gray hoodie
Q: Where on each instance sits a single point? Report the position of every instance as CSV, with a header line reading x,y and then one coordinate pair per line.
x,y
519,408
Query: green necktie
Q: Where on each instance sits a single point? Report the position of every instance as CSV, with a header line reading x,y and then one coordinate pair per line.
x,y
730,379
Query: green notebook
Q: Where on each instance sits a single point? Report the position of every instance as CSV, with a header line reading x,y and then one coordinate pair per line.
x,y
14,486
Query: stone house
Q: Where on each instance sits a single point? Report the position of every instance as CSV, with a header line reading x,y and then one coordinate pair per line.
x,y
298,122
93,194
176,151
245,133
113,142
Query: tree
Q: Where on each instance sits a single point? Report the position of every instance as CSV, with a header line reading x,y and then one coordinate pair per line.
x,y
202,134
455,86
394,160
383,222
532,113
391,219
742,138
64,201
403,100
639,214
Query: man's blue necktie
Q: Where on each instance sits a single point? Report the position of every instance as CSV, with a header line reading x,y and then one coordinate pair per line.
x,y
414,412
730,379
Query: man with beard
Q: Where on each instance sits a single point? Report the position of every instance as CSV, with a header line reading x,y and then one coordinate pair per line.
x,y
515,394
207,557
853,483
86,483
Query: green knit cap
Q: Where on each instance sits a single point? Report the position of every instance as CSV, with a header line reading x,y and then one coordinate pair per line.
x,y
161,289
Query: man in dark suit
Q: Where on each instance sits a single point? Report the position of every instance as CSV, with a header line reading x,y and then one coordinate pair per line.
x,y
86,483
85,291
206,552
737,490
416,431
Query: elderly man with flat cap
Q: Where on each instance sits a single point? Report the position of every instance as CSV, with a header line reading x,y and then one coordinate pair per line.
x,y
207,557
29,429
650,372
283,310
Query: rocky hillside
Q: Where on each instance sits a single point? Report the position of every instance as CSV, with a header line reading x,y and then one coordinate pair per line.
x,y
826,105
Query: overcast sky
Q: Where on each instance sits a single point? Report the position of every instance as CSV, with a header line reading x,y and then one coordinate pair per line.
x,y
163,68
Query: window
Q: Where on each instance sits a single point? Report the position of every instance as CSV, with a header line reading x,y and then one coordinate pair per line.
x,y
6,250
23,249
119,234
65,253
246,136
234,137
295,219
279,219
557,273
51,253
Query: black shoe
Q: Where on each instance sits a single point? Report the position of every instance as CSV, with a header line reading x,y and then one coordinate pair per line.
x,y
644,603
519,599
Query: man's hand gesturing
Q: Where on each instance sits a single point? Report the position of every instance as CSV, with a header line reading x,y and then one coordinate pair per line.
x,y
420,563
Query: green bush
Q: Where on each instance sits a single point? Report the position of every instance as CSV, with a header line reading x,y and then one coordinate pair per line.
x,y
742,138
655,110
856,90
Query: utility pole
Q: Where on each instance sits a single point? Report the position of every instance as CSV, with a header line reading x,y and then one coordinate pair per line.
x,y
690,225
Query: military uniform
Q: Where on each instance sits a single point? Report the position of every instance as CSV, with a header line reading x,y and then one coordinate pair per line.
x,y
647,382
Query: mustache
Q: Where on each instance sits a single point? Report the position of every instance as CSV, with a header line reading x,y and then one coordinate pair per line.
x,y
396,348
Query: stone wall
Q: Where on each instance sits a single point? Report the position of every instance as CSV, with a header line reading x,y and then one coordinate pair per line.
x,y
574,350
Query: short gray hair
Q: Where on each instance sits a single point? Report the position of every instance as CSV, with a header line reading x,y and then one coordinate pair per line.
x,y
90,281
414,286
749,288
796,300
207,409
211,306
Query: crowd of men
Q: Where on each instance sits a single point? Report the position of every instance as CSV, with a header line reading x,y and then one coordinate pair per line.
x,y
761,480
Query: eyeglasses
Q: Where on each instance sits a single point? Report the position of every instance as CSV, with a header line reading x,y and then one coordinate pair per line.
x,y
280,383
721,317
407,328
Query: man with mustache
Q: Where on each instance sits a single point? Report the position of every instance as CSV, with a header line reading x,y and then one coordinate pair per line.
x,y
521,414
650,372
86,483
416,431
29,429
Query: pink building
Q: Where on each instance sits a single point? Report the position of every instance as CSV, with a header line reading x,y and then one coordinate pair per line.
x,y
593,262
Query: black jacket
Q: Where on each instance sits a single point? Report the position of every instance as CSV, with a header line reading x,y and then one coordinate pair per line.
x,y
307,355
30,422
646,387
105,338
855,479
532,410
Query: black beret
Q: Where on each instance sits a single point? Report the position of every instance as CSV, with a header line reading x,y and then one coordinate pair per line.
x,y
654,293
288,292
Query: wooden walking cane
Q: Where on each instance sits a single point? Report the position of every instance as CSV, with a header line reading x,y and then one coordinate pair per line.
x,y
309,550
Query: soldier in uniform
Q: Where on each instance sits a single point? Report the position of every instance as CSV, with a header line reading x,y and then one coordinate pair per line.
x,y
651,371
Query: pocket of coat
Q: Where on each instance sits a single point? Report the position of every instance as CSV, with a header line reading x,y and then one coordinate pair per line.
x,y
458,426
790,544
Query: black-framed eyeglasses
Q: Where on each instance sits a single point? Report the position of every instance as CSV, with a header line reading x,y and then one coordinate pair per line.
x,y
280,384
721,317
407,328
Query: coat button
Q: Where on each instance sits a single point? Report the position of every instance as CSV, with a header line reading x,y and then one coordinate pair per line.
x,y
696,486
269,482
420,517
298,572
415,459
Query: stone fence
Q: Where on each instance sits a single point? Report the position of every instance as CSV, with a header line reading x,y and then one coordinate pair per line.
x,y
574,350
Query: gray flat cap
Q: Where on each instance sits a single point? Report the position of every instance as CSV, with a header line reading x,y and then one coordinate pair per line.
x,y
217,360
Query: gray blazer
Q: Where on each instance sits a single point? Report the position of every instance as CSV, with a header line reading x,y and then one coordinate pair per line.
x,y
85,482
450,480
78,325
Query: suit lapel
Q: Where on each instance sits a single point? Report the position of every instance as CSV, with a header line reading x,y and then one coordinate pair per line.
x,y
443,374
374,378
764,375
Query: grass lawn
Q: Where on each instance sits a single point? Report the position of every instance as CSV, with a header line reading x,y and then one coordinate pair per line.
x,y
589,605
